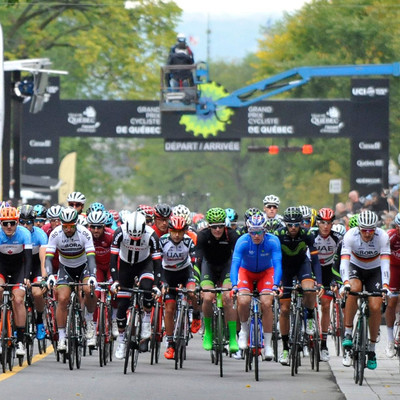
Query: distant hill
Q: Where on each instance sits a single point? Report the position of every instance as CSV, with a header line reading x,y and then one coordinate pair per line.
x,y
231,37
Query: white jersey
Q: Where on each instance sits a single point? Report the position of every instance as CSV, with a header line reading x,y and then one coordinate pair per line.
x,y
72,250
176,257
135,251
327,247
365,255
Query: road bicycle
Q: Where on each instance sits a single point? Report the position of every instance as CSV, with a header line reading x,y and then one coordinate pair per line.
x,y
182,324
75,329
314,341
359,350
105,339
219,329
49,315
30,329
157,330
276,336
336,328
8,339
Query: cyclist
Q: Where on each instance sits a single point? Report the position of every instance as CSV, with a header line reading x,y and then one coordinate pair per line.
x,y
135,254
394,284
247,214
41,211
328,243
76,200
148,212
296,244
77,264
307,216
178,254
231,218
271,206
102,239
365,259
39,241
162,212
182,211
214,249
257,257
53,216
16,263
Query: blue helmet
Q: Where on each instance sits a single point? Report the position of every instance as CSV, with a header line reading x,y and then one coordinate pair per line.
x,y
256,222
231,214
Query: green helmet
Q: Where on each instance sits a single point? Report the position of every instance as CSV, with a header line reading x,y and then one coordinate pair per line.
x,y
353,221
216,215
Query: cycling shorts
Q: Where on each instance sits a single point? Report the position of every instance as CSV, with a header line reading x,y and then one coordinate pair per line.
x,y
327,278
16,275
394,282
264,279
290,272
68,275
176,278
371,278
212,275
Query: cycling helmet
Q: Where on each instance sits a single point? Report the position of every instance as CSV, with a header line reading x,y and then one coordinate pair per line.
x,y
162,210
27,212
147,211
54,212
97,218
306,212
76,197
271,224
353,221
181,37
367,219
292,214
231,214
95,207
82,220
177,223
251,211
197,217
339,228
109,219
326,214
272,200
115,215
201,224
123,214
8,214
256,222
216,215
135,225
182,211
68,215
40,211
397,219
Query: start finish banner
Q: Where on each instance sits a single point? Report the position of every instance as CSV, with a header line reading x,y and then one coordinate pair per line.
x,y
364,119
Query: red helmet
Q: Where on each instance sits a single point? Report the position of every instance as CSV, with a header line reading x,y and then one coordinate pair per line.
x,y
9,214
177,223
197,217
115,215
148,211
326,214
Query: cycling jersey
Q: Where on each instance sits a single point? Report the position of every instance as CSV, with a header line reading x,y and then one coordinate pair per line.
x,y
257,257
215,251
179,256
73,251
365,255
135,251
39,238
16,252
102,247
394,240
294,251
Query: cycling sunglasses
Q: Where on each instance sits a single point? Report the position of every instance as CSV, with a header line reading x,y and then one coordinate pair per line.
x,y
292,224
6,223
216,226
26,222
73,204
254,233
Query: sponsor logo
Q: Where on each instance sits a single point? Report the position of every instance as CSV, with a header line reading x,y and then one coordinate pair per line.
x,y
86,120
40,161
40,143
369,181
330,122
370,91
370,146
370,163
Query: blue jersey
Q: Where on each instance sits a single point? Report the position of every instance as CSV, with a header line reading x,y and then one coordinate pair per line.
x,y
39,238
16,243
257,257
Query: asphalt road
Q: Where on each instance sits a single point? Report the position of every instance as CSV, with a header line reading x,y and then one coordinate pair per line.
x,y
47,379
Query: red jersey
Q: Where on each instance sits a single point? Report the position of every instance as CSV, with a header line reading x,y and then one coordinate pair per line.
x,y
394,239
55,261
102,247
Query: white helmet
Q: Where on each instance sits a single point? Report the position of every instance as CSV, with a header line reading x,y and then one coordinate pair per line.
x,y
54,212
339,228
181,37
367,219
135,224
271,199
77,197
68,215
306,211
97,218
82,220
182,211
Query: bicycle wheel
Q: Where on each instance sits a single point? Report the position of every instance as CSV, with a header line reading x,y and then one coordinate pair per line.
x,y
80,337
334,326
71,333
294,349
29,335
363,348
137,337
275,329
4,335
178,337
355,351
316,338
128,339
160,333
154,332
220,341
101,341
311,350
256,342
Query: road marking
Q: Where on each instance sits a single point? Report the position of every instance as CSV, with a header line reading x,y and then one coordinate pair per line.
x,y
17,368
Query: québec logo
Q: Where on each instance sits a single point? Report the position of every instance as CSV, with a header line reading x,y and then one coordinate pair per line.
x,y
87,120
330,122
